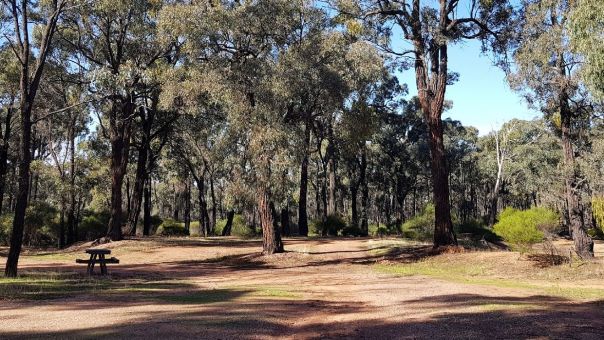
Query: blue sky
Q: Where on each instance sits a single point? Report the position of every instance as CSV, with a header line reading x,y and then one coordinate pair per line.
x,y
482,97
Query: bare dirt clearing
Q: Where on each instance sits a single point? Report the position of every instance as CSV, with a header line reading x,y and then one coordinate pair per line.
x,y
324,288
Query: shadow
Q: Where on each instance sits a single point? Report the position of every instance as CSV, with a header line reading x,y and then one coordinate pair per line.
x,y
455,316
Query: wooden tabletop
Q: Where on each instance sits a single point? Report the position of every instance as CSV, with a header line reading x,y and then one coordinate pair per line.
x,y
98,251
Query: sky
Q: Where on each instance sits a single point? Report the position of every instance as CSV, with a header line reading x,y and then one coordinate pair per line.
x,y
481,97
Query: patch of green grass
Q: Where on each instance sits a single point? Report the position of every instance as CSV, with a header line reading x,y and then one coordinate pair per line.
x,y
495,307
276,293
478,275
42,286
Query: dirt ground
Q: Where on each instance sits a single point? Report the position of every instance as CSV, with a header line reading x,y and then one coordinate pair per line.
x,y
323,288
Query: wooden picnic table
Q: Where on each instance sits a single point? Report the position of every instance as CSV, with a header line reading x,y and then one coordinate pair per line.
x,y
98,256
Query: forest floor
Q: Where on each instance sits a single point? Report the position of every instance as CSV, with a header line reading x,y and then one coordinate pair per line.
x,y
320,288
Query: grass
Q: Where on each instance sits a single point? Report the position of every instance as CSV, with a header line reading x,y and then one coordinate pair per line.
x,y
49,285
477,274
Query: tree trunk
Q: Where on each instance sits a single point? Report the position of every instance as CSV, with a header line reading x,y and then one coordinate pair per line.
x,y
229,225
203,208
120,146
187,206
331,169
285,221
4,151
364,193
443,231
584,245
139,184
147,208
16,240
71,211
212,221
354,189
302,205
271,237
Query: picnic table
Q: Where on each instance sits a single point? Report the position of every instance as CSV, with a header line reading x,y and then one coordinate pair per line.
x,y
98,256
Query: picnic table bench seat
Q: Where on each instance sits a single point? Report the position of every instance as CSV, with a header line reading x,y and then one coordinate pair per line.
x,y
98,256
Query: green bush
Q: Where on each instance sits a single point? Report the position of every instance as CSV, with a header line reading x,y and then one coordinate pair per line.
x,y
93,225
476,228
522,229
171,227
41,228
352,231
421,227
384,230
330,227
239,227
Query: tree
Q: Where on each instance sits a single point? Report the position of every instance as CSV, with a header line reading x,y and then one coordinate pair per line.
x,y
32,60
117,40
429,31
546,74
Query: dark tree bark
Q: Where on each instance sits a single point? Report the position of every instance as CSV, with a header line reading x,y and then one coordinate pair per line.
x,y
147,208
212,219
364,193
331,170
271,237
187,206
120,130
141,167
229,225
303,201
285,221
584,245
6,134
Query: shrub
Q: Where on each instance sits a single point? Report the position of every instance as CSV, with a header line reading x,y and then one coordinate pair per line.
x,y
421,227
171,227
40,229
597,206
93,226
478,229
239,227
352,231
330,227
384,230
522,229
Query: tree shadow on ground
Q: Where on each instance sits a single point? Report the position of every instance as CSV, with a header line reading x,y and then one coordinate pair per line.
x,y
456,316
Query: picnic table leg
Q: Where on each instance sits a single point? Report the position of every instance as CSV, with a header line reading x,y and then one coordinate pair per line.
x,y
103,264
93,259
90,264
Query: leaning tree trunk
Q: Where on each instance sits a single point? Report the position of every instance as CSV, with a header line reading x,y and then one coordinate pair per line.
x,y
229,224
584,245
271,237
302,204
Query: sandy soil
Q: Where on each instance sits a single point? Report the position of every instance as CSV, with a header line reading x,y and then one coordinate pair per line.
x,y
327,289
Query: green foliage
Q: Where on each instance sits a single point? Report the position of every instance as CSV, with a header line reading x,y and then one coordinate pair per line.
x,y
597,207
330,227
523,228
239,228
421,227
41,227
171,227
383,230
587,24
93,225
